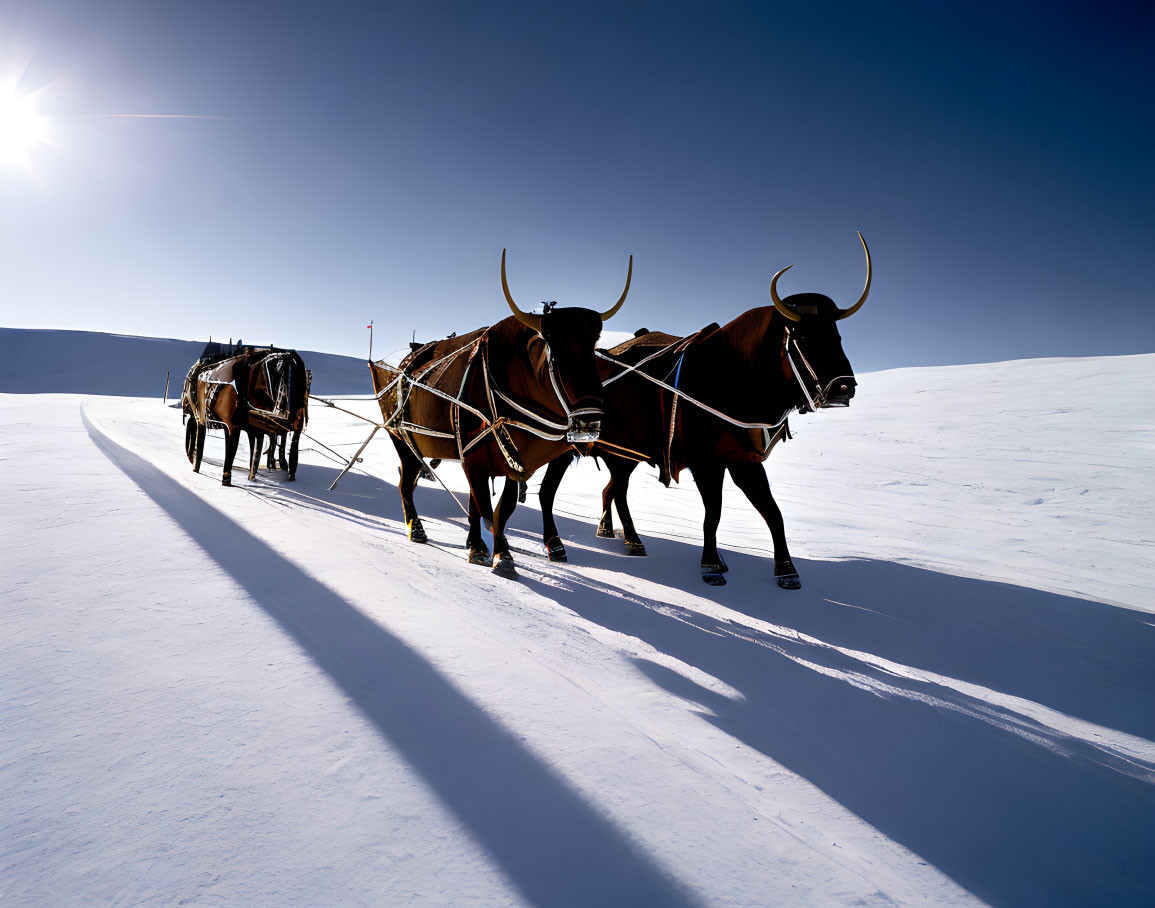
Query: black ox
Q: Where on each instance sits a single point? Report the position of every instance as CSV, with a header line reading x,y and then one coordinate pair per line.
x,y
722,404
504,400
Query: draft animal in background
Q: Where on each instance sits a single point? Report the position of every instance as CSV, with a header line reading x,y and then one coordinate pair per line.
x,y
719,404
503,400
259,390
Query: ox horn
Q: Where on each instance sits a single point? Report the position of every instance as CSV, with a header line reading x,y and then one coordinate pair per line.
x,y
846,313
526,318
606,316
778,304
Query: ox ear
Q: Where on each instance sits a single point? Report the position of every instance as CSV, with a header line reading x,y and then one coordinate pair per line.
x,y
526,318
606,316
846,313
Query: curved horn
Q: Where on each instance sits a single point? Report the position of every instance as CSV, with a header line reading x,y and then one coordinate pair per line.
x,y
846,313
606,316
778,304
526,318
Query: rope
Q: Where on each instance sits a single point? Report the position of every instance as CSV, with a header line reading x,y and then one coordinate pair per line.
x,y
328,402
697,403
433,473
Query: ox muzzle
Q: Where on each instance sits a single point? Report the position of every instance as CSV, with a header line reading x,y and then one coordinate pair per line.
x,y
837,392
584,425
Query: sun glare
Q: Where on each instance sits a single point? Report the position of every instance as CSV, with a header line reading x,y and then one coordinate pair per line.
x,y
21,128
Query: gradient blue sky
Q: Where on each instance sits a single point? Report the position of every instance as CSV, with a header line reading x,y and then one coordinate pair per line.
x,y
371,161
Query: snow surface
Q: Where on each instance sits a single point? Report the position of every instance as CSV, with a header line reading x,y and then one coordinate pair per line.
x,y
266,695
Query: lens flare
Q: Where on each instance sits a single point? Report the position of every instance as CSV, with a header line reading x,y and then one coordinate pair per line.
x,y
21,128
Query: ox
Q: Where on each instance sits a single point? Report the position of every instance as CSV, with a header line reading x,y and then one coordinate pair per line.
x,y
258,390
715,401
503,400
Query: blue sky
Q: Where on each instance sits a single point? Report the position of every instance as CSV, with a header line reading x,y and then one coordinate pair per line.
x,y
371,160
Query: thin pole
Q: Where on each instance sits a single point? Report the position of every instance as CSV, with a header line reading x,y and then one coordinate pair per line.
x,y
370,327
166,377
355,459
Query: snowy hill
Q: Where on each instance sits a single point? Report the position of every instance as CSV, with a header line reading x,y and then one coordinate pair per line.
x,y
266,695
46,362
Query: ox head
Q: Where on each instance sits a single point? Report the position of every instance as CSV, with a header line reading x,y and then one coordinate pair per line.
x,y
570,336
813,346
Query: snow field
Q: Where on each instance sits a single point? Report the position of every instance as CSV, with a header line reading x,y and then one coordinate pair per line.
x,y
266,694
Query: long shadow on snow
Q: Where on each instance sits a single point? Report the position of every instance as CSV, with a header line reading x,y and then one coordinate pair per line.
x,y
1092,661
1012,809
553,846
1015,811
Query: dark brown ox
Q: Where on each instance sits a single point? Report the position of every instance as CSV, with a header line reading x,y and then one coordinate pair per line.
x,y
503,400
735,385
259,390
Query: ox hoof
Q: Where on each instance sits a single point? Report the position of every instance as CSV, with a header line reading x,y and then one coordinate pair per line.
x,y
712,577
555,550
712,572
477,556
291,478
226,480
605,532
635,548
503,566
786,575
416,531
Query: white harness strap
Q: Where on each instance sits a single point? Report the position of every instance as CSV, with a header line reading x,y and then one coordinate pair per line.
x,y
797,373
697,403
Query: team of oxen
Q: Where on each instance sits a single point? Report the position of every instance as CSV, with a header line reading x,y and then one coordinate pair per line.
x,y
534,390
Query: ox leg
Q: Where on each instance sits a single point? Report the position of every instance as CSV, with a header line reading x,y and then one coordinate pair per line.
x,y
475,542
194,443
232,442
708,478
256,443
545,495
605,525
294,447
270,461
410,469
502,556
751,479
190,440
619,486
480,508
199,453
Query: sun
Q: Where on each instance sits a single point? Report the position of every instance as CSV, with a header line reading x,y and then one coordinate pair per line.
x,y
21,127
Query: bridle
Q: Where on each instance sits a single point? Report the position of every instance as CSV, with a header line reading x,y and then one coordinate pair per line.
x,y
574,414
821,395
